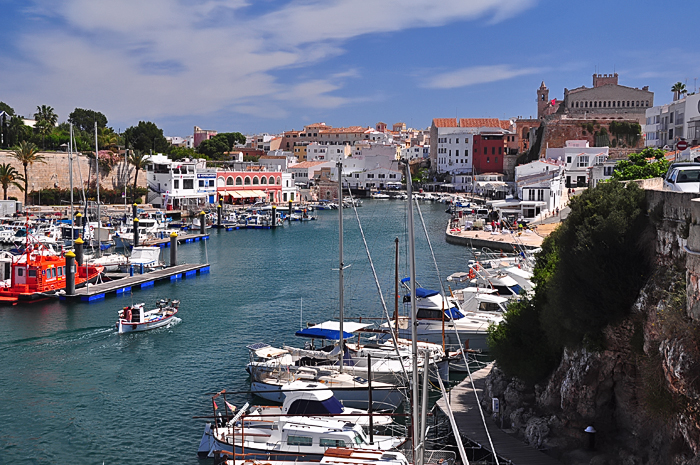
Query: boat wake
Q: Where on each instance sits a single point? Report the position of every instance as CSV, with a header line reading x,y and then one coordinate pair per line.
x,y
62,337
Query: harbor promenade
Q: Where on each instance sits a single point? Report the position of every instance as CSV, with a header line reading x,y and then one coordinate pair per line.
x,y
509,449
507,242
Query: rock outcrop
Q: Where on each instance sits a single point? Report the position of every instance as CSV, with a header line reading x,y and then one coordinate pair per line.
x,y
641,391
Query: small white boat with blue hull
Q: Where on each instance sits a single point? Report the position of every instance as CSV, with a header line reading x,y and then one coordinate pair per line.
x,y
136,318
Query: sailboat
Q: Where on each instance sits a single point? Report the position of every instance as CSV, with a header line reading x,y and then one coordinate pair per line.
x,y
271,369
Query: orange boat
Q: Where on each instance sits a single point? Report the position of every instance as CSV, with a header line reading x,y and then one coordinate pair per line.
x,y
40,273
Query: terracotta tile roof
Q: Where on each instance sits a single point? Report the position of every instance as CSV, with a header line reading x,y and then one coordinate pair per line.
x,y
505,124
307,164
343,130
479,123
445,122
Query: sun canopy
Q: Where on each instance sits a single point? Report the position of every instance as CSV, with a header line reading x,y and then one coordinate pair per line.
x,y
331,330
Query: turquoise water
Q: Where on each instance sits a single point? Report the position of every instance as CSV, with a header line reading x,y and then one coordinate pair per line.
x,y
73,391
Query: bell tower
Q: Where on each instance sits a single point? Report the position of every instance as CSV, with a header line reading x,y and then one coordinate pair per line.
x,y
542,100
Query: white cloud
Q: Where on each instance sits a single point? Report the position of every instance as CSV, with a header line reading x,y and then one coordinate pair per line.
x,y
476,75
148,59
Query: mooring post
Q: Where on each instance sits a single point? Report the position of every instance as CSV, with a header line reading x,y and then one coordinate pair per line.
x,y
202,222
135,210
136,232
70,273
218,214
173,248
290,210
274,216
79,255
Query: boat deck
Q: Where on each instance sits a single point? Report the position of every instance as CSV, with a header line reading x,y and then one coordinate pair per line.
x,y
508,448
95,292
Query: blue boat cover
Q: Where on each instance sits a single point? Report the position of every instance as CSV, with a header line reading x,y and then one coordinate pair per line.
x,y
423,292
319,333
454,313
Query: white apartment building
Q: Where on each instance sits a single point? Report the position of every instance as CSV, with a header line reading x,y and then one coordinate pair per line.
x,y
179,184
415,152
374,179
305,171
539,186
667,124
454,150
316,151
578,158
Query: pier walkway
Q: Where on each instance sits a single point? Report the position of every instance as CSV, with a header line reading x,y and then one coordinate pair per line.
x,y
181,239
95,292
508,448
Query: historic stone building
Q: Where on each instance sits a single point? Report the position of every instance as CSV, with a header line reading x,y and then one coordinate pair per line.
x,y
605,100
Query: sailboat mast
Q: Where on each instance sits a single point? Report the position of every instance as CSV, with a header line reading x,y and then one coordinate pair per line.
x,y
414,335
70,175
97,183
340,251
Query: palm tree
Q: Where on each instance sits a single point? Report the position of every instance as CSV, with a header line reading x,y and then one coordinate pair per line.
x,y
139,160
9,176
27,154
678,90
46,120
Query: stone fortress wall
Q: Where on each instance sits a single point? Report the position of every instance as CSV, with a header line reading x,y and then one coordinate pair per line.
x,y
55,173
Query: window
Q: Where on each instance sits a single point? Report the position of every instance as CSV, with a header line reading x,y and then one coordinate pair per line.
x,y
176,184
456,154
201,183
327,442
246,181
370,176
256,181
495,161
456,142
381,176
670,117
493,150
582,161
239,181
20,272
299,441
357,175
531,194
392,176
188,183
568,159
487,159
31,273
211,183
60,273
500,150
263,180
486,151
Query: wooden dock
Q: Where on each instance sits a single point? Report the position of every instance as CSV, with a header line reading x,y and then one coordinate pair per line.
x,y
508,448
95,292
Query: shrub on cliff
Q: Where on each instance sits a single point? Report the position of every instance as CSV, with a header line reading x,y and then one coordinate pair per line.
x,y
587,276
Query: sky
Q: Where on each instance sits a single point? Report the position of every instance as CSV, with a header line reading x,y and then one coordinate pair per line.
x,y
256,66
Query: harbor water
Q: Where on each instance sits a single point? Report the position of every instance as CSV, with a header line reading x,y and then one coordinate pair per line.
x,y
74,391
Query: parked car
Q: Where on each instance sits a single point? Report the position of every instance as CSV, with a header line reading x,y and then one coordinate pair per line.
x,y
683,177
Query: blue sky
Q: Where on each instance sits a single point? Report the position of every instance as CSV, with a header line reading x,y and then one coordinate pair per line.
x,y
268,66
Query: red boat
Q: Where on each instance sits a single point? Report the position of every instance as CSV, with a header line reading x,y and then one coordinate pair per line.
x,y
40,273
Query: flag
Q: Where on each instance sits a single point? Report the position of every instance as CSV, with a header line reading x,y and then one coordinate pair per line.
x,y
554,101
216,407
231,407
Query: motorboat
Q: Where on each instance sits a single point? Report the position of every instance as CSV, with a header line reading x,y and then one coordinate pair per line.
x,y
287,438
312,399
136,318
272,369
145,258
37,272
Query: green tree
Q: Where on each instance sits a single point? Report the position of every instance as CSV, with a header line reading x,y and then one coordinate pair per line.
x,y
678,90
9,176
84,120
178,153
638,166
588,275
232,138
46,120
17,131
27,154
7,109
138,160
214,147
146,136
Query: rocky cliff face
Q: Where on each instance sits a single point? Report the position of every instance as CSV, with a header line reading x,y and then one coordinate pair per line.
x,y
641,391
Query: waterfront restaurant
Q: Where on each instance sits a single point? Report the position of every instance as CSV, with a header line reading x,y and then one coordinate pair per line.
x,y
244,187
